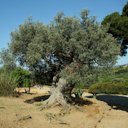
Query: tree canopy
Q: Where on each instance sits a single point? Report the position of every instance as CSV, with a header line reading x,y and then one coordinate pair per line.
x,y
68,43
118,27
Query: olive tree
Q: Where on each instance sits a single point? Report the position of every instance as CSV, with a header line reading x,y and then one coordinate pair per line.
x,y
73,49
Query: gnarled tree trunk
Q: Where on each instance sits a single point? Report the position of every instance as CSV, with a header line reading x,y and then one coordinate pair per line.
x,y
60,94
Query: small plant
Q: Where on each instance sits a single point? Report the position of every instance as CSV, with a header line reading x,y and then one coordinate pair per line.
x,y
78,90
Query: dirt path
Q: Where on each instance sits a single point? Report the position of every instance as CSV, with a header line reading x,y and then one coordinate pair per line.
x,y
15,113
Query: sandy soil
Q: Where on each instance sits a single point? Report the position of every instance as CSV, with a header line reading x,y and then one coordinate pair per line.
x,y
24,112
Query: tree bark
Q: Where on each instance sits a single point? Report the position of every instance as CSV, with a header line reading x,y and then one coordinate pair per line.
x,y
60,94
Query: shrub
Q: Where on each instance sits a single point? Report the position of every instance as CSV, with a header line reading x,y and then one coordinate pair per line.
x,y
21,77
109,88
7,85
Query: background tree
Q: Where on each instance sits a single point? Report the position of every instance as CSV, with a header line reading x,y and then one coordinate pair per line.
x,y
118,27
74,50
125,10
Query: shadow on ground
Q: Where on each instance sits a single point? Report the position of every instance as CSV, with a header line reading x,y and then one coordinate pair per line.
x,y
37,99
75,101
116,102
80,101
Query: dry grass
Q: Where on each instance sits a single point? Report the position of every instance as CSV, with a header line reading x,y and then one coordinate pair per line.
x,y
15,113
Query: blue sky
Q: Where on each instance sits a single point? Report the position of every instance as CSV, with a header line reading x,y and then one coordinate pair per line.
x,y
14,12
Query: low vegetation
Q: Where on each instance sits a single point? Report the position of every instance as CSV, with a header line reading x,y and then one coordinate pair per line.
x,y
117,83
109,88
7,85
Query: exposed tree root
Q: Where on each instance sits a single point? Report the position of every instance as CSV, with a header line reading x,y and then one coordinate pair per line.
x,y
61,95
52,101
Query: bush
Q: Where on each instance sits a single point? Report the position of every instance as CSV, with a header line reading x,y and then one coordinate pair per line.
x,y
22,77
109,88
7,85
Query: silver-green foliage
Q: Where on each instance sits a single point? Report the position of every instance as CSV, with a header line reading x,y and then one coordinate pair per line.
x,y
79,48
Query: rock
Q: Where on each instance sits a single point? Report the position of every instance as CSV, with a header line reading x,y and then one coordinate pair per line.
x,y
73,95
114,107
